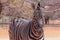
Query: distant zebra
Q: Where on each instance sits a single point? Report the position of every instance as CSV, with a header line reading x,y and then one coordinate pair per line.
x,y
23,29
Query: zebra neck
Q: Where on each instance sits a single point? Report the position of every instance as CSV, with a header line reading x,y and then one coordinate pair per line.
x,y
34,32
35,23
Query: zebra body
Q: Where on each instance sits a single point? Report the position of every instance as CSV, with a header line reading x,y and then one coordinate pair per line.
x,y
19,30
23,29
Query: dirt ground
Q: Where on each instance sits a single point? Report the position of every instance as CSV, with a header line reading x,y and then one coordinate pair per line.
x,y
51,32
4,35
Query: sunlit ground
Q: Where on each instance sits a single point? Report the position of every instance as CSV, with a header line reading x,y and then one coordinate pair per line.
x,y
4,35
51,32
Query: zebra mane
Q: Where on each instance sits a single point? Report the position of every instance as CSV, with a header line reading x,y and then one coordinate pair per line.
x,y
35,26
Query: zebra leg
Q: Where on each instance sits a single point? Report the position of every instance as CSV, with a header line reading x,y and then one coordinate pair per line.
x,y
42,38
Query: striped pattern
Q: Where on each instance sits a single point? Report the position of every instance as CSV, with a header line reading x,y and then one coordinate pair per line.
x,y
22,29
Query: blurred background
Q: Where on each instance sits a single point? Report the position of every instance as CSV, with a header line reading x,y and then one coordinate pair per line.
x,y
22,8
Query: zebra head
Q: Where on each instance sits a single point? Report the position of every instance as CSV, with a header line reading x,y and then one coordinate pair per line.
x,y
37,15
36,30
37,12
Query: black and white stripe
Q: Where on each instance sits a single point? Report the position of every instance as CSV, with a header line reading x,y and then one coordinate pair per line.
x,y
21,29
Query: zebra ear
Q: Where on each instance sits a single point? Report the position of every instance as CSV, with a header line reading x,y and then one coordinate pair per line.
x,y
39,4
33,6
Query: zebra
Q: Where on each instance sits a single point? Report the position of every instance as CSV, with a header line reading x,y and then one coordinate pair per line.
x,y
24,29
